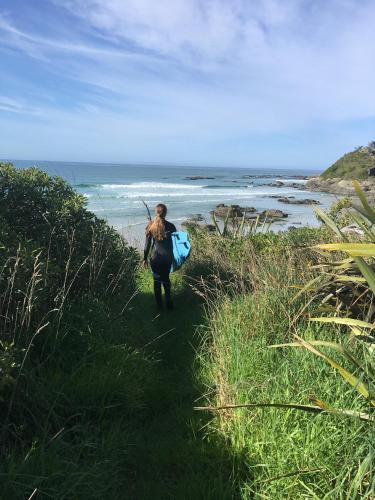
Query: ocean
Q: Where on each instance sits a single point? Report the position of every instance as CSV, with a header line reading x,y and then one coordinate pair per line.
x,y
115,192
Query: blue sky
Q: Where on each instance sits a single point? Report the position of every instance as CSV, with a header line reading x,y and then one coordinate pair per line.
x,y
207,82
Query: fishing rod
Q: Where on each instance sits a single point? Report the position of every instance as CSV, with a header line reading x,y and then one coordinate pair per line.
x,y
148,211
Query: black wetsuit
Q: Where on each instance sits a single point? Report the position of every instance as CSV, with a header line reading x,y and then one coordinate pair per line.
x,y
161,262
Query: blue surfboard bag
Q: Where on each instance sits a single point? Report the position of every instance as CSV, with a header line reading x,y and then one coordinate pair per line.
x,y
181,249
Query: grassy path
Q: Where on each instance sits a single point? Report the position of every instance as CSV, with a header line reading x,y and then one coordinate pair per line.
x,y
123,388
172,456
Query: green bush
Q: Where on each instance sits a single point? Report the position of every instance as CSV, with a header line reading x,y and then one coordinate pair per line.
x,y
43,214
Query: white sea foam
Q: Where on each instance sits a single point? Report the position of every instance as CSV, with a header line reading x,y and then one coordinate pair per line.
x,y
151,185
231,193
166,194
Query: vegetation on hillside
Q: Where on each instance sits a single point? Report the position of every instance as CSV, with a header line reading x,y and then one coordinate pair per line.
x,y
353,165
98,391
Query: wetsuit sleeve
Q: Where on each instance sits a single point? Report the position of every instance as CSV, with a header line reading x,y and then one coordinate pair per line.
x,y
147,246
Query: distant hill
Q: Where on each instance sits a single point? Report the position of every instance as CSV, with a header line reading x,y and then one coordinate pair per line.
x,y
353,165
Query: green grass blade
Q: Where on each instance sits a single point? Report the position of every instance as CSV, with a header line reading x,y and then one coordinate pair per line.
x,y
341,411
360,222
353,249
367,272
358,280
368,209
226,221
214,220
351,379
289,406
330,223
366,369
256,224
312,285
345,321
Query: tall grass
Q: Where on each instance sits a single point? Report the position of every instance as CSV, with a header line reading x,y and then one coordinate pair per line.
x,y
289,453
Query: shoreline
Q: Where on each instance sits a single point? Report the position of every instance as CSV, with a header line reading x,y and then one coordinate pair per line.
x,y
280,219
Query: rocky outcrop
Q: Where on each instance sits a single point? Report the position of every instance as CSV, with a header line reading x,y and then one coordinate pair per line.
x,y
277,196
279,184
337,185
194,224
291,201
296,185
223,210
273,213
235,211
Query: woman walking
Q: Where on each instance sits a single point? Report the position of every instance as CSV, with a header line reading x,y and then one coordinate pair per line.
x,y
159,241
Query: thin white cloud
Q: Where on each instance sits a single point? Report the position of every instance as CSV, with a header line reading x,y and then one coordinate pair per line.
x,y
11,105
36,45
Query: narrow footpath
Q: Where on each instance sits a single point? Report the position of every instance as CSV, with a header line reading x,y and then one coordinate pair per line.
x,y
174,458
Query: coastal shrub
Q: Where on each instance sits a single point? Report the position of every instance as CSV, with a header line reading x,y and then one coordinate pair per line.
x,y
66,278
52,249
44,214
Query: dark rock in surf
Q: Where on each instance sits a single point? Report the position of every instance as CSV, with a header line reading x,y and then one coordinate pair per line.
x,y
196,218
273,213
296,185
275,184
305,201
277,196
197,178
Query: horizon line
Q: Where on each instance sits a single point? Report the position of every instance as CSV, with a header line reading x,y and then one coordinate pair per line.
x,y
157,164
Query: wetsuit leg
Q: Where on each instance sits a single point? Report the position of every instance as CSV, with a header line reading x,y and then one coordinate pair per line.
x,y
160,269
157,293
167,291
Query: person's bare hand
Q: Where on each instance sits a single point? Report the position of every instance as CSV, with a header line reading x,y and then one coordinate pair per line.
x,y
144,264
